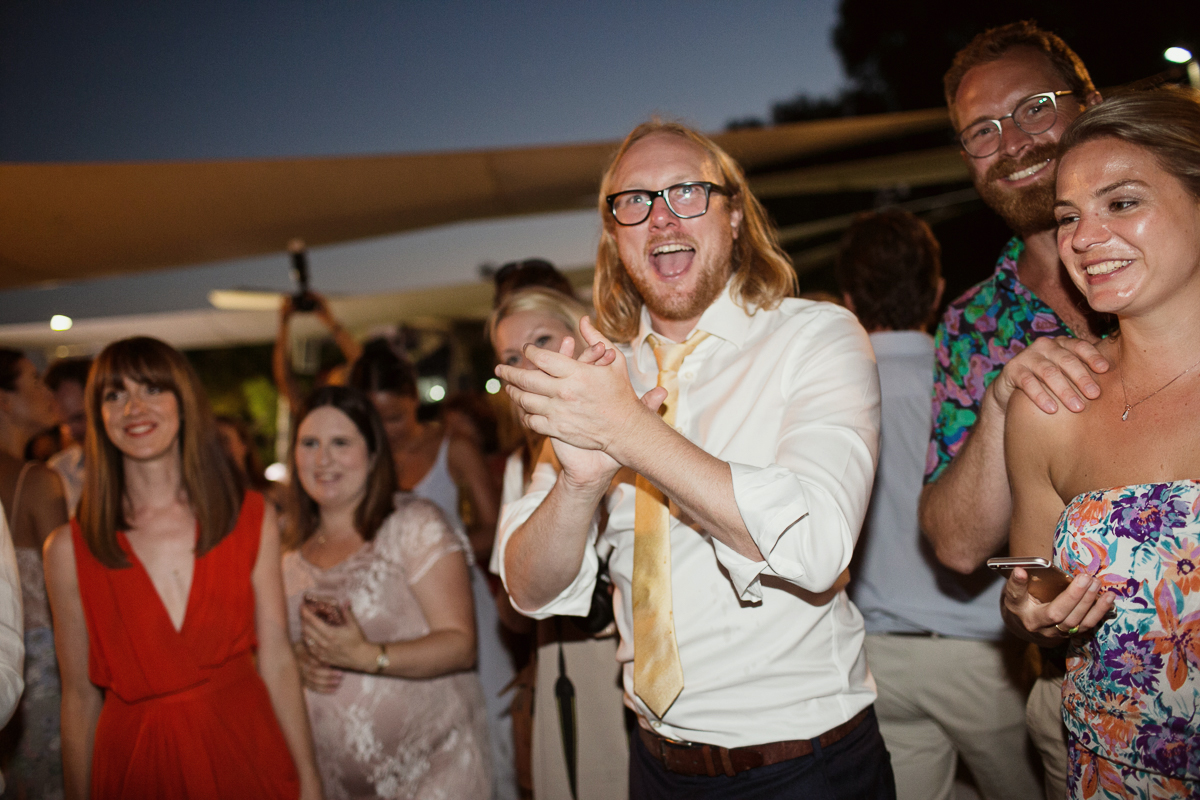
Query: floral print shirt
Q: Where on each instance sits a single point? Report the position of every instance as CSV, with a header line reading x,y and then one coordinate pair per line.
x,y
1132,691
980,332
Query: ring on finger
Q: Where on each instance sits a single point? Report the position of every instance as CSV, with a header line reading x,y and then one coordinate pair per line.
x,y
310,641
1069,632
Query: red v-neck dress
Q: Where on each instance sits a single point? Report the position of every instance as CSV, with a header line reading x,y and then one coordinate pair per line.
x,y
185,713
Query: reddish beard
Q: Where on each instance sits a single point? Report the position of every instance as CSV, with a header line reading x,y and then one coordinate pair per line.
x,y
667,304
1029,209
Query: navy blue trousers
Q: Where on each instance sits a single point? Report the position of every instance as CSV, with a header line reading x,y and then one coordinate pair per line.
x,y
856,768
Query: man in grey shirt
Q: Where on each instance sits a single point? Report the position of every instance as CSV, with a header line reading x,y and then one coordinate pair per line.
x,y
934,637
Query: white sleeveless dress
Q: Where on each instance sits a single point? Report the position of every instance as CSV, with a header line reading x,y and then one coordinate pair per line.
x,y
496,670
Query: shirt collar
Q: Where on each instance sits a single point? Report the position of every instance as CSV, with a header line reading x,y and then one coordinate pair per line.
x,y
724,319
1006,265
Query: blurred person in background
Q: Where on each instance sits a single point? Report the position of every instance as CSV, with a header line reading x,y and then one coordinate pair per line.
x,y
942,662
516,275
281,357
170,621
33,496
237,441
448,470
590,759
67,379
44,445
381,616
12,645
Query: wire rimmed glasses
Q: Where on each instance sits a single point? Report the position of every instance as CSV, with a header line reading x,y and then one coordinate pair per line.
x,y
1033,115
685,200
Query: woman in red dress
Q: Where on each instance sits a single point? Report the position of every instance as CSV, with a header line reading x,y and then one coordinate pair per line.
x,y
170,623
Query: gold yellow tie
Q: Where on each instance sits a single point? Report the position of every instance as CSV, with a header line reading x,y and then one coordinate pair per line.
x,y
657,673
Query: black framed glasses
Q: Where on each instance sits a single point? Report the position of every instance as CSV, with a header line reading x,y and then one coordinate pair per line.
x,y
686,200
1035,114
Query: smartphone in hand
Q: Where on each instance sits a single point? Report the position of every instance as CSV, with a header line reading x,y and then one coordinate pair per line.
x,y
1046,581
327,609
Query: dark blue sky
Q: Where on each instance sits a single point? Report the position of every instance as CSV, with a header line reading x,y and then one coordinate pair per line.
x,y
136,81
258,79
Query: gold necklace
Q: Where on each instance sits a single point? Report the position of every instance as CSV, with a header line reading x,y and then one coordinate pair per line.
x,y
1125,398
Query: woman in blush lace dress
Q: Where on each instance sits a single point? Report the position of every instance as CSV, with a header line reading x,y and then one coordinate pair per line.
x,y
1113,492
380,608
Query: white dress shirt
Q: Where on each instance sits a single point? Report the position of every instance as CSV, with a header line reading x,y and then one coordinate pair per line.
x,y
790,399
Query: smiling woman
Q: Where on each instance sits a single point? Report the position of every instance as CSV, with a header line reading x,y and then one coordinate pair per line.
x,y
381,616
1113,492
168,604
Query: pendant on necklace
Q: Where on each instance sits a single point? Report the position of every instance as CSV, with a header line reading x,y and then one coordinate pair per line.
x,y
1125,416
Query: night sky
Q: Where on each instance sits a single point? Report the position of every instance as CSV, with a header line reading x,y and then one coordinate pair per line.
x,y
218,80
125,81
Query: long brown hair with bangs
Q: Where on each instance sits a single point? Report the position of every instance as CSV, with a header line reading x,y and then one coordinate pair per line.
x,y
213,487
303,513
762,272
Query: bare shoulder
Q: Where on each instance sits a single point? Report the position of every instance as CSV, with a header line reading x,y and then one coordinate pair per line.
x,y
1023,417
42,482
1045,443
59,550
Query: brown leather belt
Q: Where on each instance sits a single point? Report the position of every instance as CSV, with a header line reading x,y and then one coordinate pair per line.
x,y
689,758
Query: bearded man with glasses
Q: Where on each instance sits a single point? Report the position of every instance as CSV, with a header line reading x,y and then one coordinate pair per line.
x,y
1011,93
722,451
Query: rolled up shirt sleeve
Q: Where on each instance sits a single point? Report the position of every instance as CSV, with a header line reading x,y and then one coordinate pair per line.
x,y
576,599
805,508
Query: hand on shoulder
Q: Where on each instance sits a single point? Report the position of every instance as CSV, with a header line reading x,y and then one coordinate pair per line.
x,y
1051,370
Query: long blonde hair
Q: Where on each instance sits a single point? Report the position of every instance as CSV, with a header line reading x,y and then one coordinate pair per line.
x,y
762,272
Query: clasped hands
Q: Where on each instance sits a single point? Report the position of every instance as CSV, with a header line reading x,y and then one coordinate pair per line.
x,y
325,650
587,406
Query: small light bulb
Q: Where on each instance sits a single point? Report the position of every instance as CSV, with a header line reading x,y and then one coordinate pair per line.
x,y
437,393
1178,55
492,386
276,472
60,322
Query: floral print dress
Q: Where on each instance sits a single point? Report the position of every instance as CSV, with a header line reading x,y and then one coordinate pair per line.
x,y
1131,698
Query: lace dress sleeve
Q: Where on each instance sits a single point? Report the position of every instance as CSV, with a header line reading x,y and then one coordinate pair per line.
x,y
416,536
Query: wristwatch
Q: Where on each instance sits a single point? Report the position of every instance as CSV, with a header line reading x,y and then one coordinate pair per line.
x,y
382,661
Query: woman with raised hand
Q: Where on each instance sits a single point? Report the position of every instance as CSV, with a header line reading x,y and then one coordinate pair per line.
x,y
379,602
1113,493
169,615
